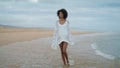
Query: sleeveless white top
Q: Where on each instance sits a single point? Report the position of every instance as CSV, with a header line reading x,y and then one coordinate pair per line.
x,y
61,33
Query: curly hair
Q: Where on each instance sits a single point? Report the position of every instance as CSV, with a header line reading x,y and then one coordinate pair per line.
x,y
65,13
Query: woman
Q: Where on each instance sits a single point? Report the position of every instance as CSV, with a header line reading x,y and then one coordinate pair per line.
x,y
62,36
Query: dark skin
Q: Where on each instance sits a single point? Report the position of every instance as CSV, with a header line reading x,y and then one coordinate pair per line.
x,y
63,45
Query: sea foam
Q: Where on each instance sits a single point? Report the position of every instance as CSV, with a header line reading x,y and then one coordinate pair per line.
x,y
98,52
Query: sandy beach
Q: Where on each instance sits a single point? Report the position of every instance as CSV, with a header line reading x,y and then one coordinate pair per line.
x,y
31,48
11,34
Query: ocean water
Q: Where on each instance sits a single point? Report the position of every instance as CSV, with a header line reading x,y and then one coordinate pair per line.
x,y
108,46
84,15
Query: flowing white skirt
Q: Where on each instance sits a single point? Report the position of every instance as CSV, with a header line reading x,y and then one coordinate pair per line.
x,y
57,40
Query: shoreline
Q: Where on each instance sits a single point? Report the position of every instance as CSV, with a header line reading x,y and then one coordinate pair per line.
x,y
27,48
32,54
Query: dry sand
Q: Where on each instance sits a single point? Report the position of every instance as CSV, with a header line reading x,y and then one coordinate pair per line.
x,y
11,35
31,48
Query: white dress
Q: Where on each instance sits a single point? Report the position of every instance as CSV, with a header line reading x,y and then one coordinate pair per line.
x,y
61,33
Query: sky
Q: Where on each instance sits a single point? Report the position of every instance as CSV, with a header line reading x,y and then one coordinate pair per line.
x,y
90,15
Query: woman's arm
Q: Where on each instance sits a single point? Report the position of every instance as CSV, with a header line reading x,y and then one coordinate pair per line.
x,y
69,34
55,37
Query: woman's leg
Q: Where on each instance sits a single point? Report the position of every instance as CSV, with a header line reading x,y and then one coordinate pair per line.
x,y
65,44
62,55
